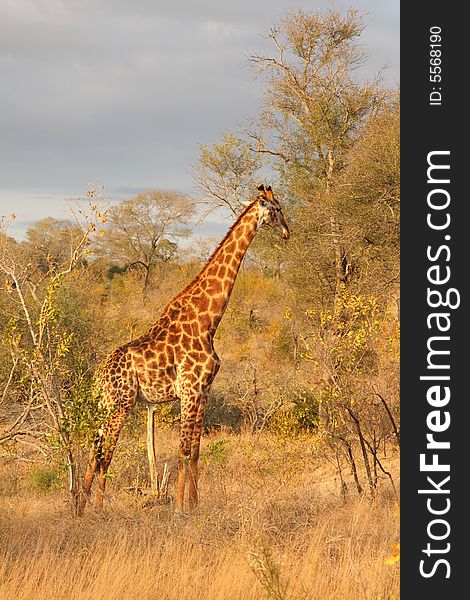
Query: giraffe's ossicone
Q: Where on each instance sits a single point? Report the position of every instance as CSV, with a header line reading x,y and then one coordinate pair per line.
x,y
176,359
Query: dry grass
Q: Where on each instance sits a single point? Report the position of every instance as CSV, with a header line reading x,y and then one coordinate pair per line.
x,y
270,525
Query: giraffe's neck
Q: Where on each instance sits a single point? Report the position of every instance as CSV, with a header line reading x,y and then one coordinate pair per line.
x,y
209,292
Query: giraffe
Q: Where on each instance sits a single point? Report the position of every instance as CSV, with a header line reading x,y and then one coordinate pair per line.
x,y
175,359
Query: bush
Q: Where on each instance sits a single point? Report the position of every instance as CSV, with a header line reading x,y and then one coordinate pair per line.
x,y
298,416
44,479
216,453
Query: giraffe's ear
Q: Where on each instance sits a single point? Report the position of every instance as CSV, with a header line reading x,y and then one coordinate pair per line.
x,y
261,188
245,202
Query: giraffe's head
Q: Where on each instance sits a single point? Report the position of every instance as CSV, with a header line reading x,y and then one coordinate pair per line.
x,y
270,211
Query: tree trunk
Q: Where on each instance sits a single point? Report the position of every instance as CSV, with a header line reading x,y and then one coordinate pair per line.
x,y
365,457
340,265
151,450
146,280
352,462
343,484
74,483
390,416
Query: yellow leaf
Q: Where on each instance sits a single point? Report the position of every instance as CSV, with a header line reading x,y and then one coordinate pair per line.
x,y
395,557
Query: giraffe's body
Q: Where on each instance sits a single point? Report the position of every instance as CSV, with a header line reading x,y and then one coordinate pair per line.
x,y
176,359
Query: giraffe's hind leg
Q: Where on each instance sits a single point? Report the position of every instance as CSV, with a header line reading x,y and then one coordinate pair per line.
x,y
109,437
120,401
89,476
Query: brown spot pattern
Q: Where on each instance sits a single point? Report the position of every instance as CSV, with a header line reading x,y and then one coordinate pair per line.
x,y
175,357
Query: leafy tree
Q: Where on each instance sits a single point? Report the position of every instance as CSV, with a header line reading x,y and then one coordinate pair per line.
x,y
314,109
369,200
359,386
144,230
56,408
313,103
52,242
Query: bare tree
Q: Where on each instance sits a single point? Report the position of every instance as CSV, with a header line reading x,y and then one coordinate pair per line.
x,y
226,173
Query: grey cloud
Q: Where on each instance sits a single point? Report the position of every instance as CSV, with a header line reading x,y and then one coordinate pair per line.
x,y
122,93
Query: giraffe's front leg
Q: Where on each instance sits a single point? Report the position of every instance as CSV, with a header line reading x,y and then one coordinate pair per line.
x,y
195,443
189,410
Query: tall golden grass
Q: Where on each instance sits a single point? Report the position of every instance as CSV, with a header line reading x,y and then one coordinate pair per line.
x,y
271,524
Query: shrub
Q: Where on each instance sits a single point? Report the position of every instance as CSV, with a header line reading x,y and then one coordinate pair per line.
x,y
44,479
298,416
216,453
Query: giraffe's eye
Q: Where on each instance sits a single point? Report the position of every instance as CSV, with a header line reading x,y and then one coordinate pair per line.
x,y
263,203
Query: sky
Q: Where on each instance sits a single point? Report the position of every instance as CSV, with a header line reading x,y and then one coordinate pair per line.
x,y
121,93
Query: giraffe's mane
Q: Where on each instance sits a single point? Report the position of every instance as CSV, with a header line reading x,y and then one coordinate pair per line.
x,y
198,277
